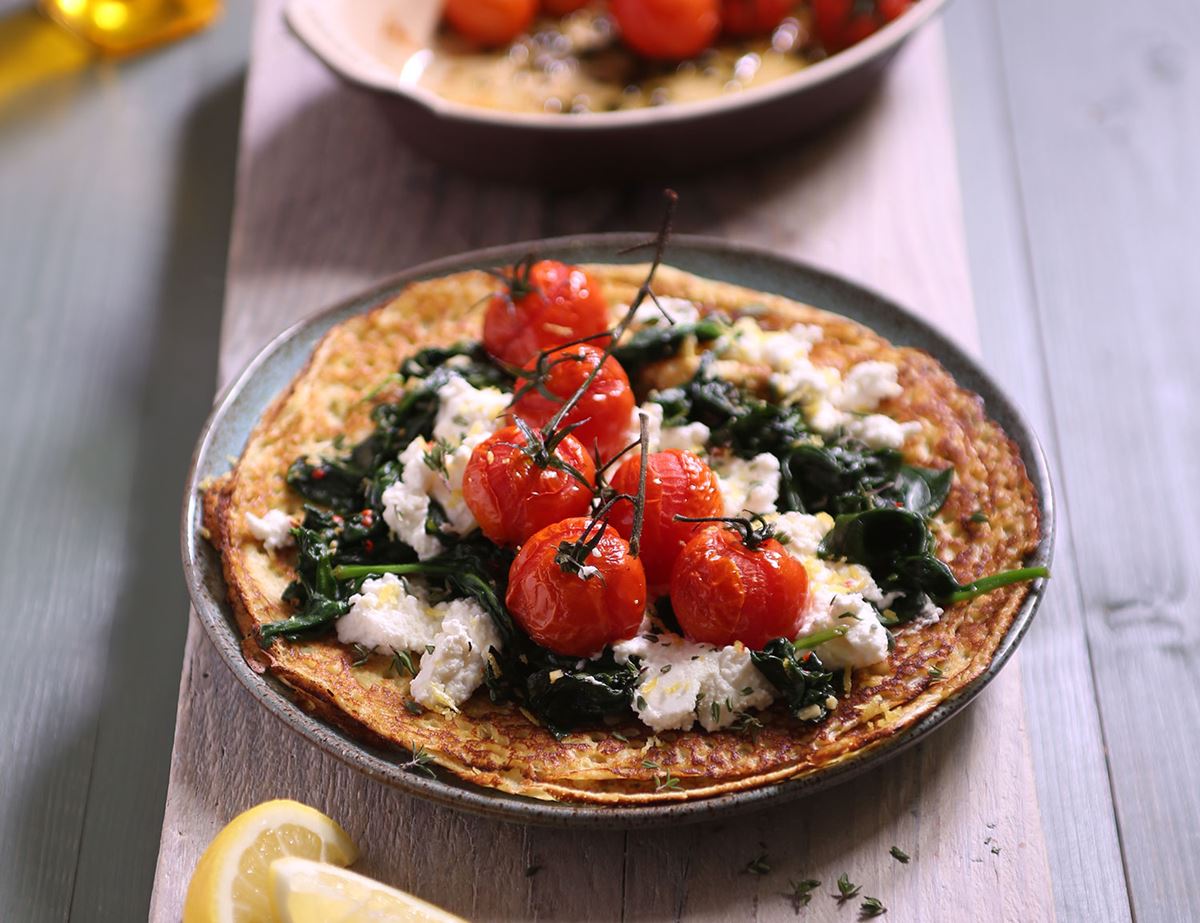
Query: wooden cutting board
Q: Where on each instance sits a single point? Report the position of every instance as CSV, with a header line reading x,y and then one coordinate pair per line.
x,y
329,200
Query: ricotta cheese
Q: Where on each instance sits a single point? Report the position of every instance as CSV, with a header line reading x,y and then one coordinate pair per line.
x,y
386,616
682,682
466,417
748,485
865,642
679,310
692,437
451,672
274,529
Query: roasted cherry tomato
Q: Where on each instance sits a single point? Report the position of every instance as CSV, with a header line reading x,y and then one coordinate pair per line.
x,y
512,496
754,17
545,305
723,590
577,605
603,412
490,22
678,483
563,7
667,29
838,24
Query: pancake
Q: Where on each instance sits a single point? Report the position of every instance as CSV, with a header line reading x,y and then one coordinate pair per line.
x,y
502,746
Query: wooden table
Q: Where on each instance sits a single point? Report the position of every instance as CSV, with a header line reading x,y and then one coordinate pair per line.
x,y
327,203
1076,129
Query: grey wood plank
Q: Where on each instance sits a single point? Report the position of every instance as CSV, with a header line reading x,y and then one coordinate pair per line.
x,y
1107,126
327,202
112,252
1064,724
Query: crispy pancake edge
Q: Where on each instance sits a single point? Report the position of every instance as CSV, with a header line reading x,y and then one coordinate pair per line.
x,y
498,745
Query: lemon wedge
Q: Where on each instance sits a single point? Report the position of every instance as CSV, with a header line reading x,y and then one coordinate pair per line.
x,y
231,882
303,891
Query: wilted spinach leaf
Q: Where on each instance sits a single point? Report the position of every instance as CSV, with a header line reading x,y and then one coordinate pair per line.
x,y
662,341
801,679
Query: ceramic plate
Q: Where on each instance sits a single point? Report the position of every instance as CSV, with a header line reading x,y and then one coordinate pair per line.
x,y
352,38
239,407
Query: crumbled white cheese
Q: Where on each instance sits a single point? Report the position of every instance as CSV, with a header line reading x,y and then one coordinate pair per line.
x,y
879,432
454,669
679,310
466,417
865,385
691,436
748,485
386,616
864,643
779,349
830,402
274,529
468,413
801,533
682,681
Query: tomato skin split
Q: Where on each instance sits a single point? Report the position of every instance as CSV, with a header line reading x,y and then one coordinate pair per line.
x,y
723,591
569,612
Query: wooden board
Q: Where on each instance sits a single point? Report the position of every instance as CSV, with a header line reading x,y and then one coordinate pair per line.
x,y
1104,133
328,202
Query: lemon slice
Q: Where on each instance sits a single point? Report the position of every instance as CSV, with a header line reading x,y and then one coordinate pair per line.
x,y
303,891
231,881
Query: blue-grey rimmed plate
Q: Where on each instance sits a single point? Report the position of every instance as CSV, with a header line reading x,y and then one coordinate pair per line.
x,y
239,407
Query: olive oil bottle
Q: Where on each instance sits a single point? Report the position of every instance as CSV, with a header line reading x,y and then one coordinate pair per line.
x,y
125,26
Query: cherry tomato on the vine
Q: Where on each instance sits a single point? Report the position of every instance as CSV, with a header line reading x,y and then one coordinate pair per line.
x,y
754,17
603,412
723,590
546,304
667,29
677,483
490,22
512,496
576,606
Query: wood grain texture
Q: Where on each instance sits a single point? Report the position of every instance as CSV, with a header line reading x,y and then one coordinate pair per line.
x,y
115,188
329,202
1060,692
1105,142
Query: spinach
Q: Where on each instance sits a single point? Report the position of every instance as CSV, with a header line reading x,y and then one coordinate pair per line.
x,y
564,695
896,546
921,490
801,679
356,480
316,593
653,343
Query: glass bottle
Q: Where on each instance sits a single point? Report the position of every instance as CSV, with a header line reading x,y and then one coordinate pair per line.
x,y
125,26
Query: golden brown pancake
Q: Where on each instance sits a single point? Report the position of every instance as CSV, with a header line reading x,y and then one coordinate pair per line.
x,y
499,745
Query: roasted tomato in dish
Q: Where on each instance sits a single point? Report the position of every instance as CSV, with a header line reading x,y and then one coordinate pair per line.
x,y
513,493
490,22
667,29
678,483
838,24
544,305
725,589
574,588
754,17
603,412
